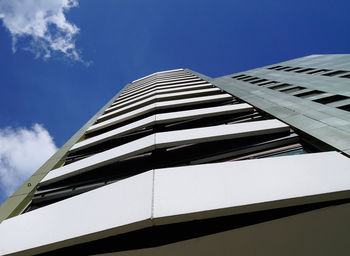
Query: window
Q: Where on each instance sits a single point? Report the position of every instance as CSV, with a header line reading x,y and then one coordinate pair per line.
x,y
346,107
331,99
274,67
258,81
319,71
292,69
335,73
294,89
346,76
250,79
308,94
268,83
280,86
243,77
237,76
282,68
304,70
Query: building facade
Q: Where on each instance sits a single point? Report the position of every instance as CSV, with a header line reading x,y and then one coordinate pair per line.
x,y
178,163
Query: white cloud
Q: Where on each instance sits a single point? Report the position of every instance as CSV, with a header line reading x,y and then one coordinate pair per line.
x,y
40,26
22,152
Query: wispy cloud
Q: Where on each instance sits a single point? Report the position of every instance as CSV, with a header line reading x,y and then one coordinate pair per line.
x,y
41,27
22,152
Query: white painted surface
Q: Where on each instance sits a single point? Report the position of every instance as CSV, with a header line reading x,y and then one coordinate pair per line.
x,y
193,101
114,133
89,216
171,70
165,139
158,105
151,89
163,87
155,84
122,103
162,78
180,194
204,112
232,185
121,118
162,118
104,158
156,80
161,82
155,87
142,78
219,132
163,97
161,74
179,70
176,80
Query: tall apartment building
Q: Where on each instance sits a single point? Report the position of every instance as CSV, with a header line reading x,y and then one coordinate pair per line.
x,y
178,163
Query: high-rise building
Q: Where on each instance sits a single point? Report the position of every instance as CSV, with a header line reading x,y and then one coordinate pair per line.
x,y
178,163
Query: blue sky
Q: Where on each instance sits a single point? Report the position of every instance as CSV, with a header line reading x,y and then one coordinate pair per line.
x,y
120,41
